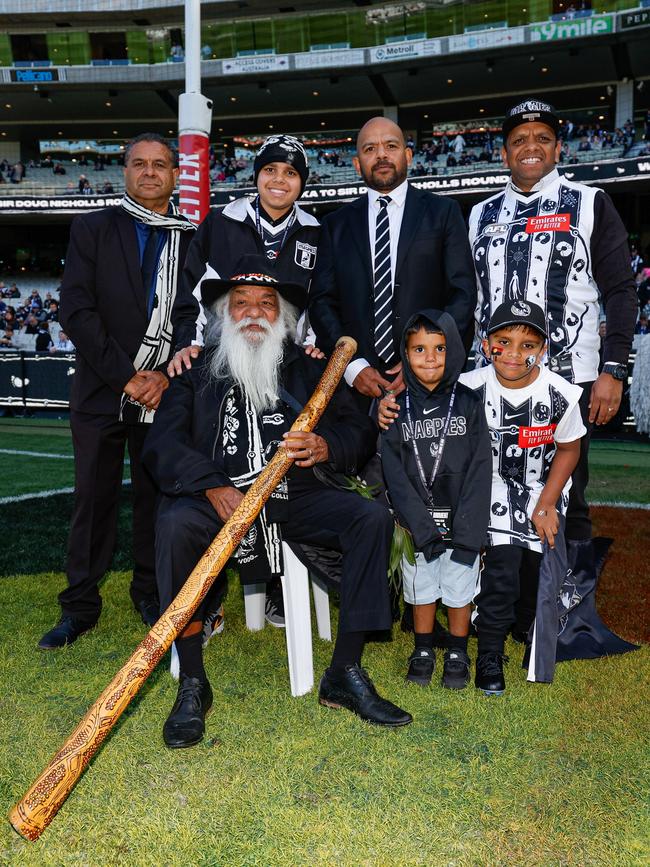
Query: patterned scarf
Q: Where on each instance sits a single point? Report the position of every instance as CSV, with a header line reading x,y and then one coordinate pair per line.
x,y
157,340
249,442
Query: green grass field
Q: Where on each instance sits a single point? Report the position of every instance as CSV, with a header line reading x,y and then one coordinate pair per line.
x,y
548,775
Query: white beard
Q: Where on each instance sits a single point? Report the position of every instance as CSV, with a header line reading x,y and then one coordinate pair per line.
x,y
250,358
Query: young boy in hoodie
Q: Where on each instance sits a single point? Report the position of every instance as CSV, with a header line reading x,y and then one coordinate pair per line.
x,y
437,466
535,429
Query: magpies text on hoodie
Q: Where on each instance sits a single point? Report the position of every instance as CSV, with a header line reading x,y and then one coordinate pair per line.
x,y
459,498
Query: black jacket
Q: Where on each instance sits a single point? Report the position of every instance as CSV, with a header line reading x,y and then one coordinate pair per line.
x,y
181,448
222,239
465,472
103,306
434,269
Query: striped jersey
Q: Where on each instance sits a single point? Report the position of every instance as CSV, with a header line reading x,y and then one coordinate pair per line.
x,y
524,424
537,247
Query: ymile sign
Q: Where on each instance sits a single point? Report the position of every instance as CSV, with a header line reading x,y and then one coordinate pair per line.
x,y
596,25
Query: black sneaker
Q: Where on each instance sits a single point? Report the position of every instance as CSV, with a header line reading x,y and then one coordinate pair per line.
x,y
455,672
489,673
422,664
274,608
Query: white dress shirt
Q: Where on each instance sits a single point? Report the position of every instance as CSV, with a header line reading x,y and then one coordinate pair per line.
x,y
395,215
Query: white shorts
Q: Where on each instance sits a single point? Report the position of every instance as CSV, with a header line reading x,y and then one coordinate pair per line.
x,y
454,583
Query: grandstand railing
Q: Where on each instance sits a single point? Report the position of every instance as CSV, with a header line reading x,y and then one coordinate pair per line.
x,y
41,181
289,42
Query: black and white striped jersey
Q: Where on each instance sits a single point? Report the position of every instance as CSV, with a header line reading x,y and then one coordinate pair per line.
x,y
536,246
524,424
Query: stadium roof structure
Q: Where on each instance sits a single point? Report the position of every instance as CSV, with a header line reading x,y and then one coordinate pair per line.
x,y
426,80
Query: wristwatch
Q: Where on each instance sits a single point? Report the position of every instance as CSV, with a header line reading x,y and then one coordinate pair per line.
x,y
618,371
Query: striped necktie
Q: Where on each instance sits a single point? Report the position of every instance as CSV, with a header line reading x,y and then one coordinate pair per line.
x,y
383,284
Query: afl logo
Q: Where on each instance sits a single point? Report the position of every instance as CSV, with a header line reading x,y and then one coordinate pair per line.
x,y
520,308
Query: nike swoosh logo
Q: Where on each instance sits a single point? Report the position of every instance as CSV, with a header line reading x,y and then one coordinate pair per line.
x,y
510,417
427,411
271,243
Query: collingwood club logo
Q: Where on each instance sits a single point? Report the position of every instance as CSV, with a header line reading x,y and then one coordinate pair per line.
x,y
520,308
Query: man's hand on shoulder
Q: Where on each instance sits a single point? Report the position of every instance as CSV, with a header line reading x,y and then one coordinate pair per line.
x,y
224,500
313,351
370,382
182,357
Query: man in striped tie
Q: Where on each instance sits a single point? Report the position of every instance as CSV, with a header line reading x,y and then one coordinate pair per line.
x,y
385,256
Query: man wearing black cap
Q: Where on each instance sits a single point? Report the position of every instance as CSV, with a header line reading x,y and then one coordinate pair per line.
x,y
217,426
271,224
561,245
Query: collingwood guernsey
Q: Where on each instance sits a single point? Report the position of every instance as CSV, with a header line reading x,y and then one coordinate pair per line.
x,y
524,424
551,247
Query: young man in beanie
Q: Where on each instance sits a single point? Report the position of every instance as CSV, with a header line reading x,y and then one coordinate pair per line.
x,y
271,224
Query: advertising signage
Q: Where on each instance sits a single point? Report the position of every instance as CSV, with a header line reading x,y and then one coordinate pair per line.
x,y
572,28
486,182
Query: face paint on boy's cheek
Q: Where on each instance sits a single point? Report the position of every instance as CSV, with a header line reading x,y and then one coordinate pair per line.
x,y
496,351
530,360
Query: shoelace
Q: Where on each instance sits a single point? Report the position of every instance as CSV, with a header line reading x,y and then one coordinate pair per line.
x,y
492,663
190,691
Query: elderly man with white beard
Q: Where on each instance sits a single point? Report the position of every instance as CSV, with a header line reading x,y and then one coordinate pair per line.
x,y
217,426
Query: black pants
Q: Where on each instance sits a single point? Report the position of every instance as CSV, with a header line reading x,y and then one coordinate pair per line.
x,y
578,520
99,443
360,529
509,572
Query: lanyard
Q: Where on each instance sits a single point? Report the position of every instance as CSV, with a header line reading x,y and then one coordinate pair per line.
x,y
441,444
260,231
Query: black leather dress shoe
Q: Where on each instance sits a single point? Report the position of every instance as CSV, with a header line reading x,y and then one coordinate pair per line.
x,y
149,610
350,687
67,630
185,725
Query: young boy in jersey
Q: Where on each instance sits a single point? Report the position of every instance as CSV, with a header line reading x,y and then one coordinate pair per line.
x,y
535,427
437,466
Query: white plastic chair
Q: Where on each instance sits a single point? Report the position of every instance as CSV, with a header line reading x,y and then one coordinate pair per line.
x,y
297,617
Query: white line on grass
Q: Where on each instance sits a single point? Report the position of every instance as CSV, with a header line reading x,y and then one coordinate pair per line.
x,y
618,504
43,455
43,494
35,454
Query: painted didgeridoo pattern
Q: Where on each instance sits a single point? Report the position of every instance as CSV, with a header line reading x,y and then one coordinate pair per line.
x,y
34,812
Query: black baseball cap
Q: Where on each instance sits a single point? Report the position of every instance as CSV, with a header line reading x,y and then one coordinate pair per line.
x,y
253,269
518,313
530,111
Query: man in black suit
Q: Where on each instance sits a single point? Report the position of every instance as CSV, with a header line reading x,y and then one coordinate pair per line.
x,y
385,256
118,288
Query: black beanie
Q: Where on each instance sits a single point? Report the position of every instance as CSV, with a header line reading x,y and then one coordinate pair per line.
x,y
282,149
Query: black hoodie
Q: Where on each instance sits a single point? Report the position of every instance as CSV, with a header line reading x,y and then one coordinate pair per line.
x,y
461,488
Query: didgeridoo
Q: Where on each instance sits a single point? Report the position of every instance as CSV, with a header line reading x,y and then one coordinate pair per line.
x,y
34,812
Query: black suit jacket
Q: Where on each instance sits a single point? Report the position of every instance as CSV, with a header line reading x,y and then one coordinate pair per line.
x,y
103,306
181,451
434,269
